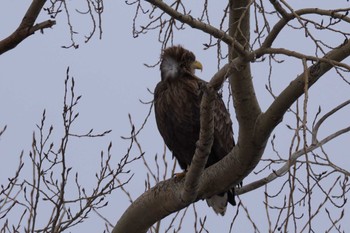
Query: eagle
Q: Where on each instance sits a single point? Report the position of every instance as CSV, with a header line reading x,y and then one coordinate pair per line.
x,y
177,99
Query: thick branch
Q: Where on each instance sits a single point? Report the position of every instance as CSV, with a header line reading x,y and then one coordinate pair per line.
x,y
245,102
204,145
295,54
293,158
273,115
241,79
26,27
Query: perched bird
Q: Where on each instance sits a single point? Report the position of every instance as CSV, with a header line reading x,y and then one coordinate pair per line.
x,y
177,99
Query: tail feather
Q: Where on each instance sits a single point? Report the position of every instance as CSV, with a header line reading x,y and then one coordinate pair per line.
x,y
219,202
231,196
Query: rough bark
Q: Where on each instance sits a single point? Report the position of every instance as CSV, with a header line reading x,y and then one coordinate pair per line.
x,y
203,147
26,27
245,103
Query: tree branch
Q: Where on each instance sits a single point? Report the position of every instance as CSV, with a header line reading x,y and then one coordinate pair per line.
x,y
268,121
245,102
26,27
241,78
287,17
330,113
189,20
292,160
203,147
295,54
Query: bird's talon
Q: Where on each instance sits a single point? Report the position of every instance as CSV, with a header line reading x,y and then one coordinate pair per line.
x,y
180,175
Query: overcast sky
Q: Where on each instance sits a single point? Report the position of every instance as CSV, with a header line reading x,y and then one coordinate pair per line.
x,y
111,76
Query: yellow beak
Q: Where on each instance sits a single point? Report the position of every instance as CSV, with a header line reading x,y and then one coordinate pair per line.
x,y
197,65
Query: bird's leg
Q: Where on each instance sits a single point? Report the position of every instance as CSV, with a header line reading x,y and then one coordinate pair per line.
x,y
180,175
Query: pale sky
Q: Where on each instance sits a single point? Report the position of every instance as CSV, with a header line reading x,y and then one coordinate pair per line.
x,y
111,77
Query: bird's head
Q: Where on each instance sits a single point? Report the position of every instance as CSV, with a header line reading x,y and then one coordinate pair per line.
x,y
178,62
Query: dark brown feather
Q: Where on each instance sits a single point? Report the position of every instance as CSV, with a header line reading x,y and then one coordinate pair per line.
x,y
177,110
177,115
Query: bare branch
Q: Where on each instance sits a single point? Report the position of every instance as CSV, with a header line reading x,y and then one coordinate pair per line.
x,y
292,160
26,27
51,173
320,121
3,130
290,16
203,147
303,56
282,103
221,35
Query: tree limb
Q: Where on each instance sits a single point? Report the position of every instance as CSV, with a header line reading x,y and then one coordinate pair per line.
x,y
203,147
26,27
189,20
295,54
287,17
330,113
245,102
269,120
292,160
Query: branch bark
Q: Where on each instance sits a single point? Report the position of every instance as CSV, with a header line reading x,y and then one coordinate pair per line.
x,y
26,27
287,17
274,114
245,102
203,147
293,158
187,19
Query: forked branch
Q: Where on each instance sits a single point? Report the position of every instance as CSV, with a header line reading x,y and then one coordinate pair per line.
x,y
26,27
294,157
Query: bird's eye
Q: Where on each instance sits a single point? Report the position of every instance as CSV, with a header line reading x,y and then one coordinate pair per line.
x,y
189,60
191,57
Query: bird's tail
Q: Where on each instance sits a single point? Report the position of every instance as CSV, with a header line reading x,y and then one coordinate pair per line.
x,y
231,196
219,202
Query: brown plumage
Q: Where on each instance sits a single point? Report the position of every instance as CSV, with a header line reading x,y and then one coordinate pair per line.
x,y
177,99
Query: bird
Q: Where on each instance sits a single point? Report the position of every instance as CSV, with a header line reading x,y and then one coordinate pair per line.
x,y
177,99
